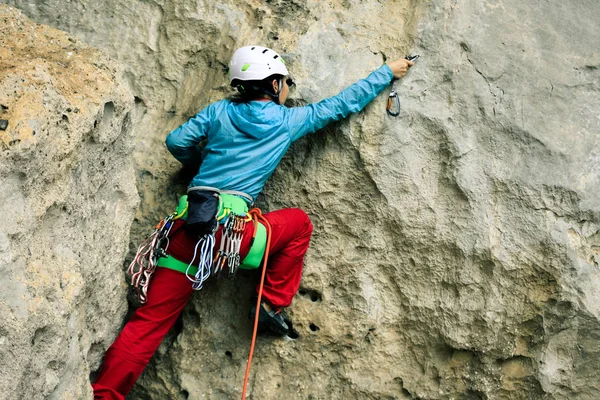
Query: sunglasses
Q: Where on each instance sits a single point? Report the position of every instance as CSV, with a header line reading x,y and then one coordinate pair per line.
x,y
290,82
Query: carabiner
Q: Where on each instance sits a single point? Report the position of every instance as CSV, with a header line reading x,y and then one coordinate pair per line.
x,y
393,98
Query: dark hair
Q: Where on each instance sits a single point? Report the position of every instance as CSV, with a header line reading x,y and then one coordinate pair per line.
x,y
251,90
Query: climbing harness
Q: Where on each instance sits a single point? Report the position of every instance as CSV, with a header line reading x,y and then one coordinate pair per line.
x,y
233,214
393,103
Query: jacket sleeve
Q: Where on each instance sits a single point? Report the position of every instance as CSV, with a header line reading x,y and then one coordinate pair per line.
x,y
183,142
310,118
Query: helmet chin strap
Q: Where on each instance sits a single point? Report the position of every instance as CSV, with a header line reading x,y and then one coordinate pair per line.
x,y
275,96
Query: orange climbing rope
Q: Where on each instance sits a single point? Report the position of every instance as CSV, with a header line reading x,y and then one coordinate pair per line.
x,y
257,217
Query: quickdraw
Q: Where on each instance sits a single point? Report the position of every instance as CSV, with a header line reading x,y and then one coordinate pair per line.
x,y
144,263
231,243
236,244
394,97
221,256
206,244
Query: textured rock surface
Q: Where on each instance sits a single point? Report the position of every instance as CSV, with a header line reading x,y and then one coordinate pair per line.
x,y
67,198
456,248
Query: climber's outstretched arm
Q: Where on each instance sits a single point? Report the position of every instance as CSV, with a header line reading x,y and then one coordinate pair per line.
x,y
310,118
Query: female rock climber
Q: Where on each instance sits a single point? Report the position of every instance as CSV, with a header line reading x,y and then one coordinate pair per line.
x,y
245,140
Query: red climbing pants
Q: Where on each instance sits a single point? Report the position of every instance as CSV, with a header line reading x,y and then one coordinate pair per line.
x,y
170,290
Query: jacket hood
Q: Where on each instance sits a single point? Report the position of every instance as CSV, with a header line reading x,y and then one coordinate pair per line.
x,y
255,119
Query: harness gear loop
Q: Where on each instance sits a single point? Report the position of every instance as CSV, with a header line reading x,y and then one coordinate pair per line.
x,y
257,216
393,99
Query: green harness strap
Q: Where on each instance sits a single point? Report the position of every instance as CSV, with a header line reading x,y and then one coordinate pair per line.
x,y
257,250
174,264
229,204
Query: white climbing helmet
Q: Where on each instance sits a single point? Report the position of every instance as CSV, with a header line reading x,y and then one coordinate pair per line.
x,y
255,63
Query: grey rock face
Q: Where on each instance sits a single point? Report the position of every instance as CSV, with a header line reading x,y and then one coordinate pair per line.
x,y
67,197
456,248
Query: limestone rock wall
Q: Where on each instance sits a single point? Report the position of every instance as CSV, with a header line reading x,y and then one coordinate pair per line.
x,y
67,197
456,248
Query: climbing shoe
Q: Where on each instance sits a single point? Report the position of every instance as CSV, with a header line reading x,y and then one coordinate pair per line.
x,y
274,321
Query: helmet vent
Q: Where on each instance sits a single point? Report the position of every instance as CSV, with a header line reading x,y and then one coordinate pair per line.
x,y
265,50
276,56
253,48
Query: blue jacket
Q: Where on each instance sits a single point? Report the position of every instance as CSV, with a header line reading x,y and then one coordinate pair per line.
x,y
246,141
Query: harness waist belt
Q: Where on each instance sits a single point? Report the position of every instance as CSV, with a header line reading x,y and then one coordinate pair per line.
x,y
236,205
230,203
